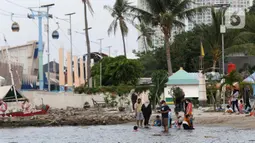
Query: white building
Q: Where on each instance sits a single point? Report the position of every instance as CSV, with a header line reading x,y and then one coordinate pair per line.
x,y
27,56
205,18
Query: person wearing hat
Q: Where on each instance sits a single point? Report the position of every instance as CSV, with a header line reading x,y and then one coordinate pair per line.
x,y
164,113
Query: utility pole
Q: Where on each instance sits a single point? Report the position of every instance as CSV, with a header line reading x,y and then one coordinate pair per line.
x,y
71,42
109,47
40,15
101,59
48,42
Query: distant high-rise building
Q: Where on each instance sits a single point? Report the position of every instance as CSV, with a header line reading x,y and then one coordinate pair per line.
x,y
203,18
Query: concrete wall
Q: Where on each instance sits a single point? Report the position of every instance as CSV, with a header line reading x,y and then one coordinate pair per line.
x,y
61,100
191,91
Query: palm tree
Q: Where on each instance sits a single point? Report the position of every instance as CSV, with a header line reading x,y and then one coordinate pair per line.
x,y
120,12
168,14
146,35
210,35
244,42
87,3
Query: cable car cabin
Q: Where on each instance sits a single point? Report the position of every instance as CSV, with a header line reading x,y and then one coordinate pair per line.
x,y
55,34
15,27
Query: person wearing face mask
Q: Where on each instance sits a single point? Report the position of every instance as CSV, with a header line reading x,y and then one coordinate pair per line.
x,y
139,113
146,109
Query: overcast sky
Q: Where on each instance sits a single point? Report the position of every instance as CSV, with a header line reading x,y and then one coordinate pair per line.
x,y
99,22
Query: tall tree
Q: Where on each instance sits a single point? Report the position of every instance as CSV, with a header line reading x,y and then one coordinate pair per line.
x,y
168,14
121,14
87,3
146,33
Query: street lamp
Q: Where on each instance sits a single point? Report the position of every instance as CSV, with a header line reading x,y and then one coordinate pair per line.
x,y
48,40
71,42
222,31
109,47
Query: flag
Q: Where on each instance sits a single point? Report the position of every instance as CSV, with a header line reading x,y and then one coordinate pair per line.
x,y
202,50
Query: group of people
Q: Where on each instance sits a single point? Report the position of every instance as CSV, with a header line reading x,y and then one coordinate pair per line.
x,y
236,106
143,113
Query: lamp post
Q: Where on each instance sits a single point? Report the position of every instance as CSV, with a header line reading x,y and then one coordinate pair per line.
x,y
71,42
48,41
109,47
222,31
101,39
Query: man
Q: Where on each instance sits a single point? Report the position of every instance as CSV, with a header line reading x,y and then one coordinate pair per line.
x,y
164,111
139,113
134,99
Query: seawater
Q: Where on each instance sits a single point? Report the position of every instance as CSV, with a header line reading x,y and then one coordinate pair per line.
x,y
124,134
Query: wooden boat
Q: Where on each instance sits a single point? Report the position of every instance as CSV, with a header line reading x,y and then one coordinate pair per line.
x,y
43,111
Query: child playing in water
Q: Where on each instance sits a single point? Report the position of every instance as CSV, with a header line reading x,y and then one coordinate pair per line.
x,y
135,128
157,122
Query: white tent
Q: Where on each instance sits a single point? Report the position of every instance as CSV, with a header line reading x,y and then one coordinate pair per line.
x,y
7,94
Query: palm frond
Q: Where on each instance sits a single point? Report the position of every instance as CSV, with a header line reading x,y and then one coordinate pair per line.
x,y
249,48
112,27
89,6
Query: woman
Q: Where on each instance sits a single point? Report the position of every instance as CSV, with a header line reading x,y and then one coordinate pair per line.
x,y
188,112
146,109
234,99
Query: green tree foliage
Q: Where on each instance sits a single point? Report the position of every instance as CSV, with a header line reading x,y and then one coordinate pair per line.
x,y
159,79
168,14
118,70
121,12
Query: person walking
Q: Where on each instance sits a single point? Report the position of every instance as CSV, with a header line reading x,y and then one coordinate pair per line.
x,y
146,109
234,99
139,113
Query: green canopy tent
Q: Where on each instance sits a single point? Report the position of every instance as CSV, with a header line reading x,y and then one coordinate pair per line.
x,y
7,94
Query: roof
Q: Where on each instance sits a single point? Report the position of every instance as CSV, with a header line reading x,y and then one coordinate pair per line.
x,y
250,79
182,77
7,94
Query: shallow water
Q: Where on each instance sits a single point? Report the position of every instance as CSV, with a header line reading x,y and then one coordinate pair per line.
x,y
124,134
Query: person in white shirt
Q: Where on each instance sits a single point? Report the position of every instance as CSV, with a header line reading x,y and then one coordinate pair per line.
x,y
229,109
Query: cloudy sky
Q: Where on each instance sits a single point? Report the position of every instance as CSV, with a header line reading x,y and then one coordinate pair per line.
x,y
99,22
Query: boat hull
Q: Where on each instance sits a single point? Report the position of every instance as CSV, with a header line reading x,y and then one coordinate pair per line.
x,y
22,114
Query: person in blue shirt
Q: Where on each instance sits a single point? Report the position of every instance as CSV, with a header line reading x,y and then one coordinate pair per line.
x,y
157,122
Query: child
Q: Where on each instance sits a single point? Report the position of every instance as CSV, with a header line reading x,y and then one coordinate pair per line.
x,y
241,107
178,122
170,119
135,128
229,110
157,122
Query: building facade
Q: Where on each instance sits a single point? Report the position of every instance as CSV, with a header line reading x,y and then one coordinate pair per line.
x,y
27,56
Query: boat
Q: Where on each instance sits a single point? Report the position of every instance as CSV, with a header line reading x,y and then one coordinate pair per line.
x,y
11,94
7,95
